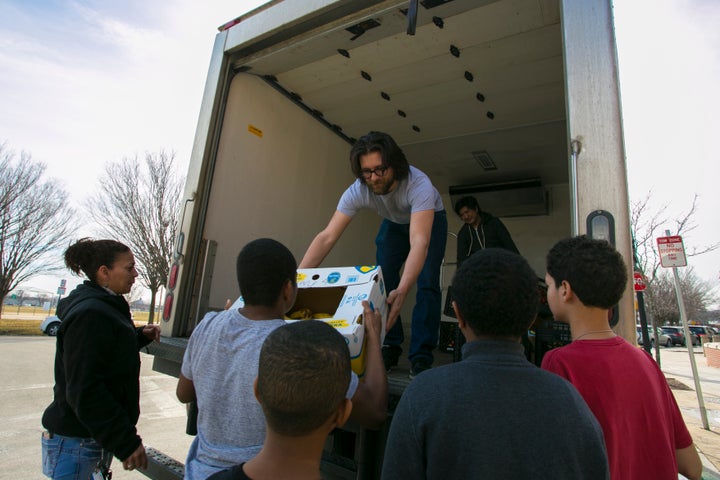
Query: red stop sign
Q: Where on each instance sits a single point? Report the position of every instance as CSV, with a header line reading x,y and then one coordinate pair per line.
x,y
638,281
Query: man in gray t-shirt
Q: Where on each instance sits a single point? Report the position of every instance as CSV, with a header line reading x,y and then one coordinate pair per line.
x,y
413,232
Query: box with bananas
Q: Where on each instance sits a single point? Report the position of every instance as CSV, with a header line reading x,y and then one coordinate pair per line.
x,y
334,295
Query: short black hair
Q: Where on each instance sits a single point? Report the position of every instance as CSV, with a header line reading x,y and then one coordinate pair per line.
x,y
593,268
392,155
263,267
88,255
496,293
303,376
467,201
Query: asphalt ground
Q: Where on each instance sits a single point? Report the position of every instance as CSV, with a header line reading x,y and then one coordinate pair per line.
x,y
27,380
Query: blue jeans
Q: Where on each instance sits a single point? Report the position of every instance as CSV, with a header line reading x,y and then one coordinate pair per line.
x,y
393,246
69,458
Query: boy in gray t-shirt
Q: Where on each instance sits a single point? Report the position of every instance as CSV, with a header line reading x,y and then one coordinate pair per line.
x,y
221,363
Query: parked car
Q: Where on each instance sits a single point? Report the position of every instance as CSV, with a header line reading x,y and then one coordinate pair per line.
x,y
675,335
662,337
51,325
697,330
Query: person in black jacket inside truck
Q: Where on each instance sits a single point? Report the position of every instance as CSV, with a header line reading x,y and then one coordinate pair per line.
x,y
480,230
97,367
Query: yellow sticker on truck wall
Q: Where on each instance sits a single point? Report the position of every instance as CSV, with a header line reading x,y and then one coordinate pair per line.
x,y
255,131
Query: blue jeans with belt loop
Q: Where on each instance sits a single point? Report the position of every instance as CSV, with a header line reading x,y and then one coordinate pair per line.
x,y
69,458
393,246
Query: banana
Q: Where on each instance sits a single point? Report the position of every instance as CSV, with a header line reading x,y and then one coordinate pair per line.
x,y
301,314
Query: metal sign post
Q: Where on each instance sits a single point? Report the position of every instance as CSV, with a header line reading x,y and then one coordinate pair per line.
x,y
672,254
60,292
639,287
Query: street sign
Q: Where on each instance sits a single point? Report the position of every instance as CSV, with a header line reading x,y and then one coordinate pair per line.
x,y
638,282
671,251
61,291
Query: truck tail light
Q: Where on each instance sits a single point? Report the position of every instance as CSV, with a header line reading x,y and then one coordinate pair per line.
x,y
172,278
168,307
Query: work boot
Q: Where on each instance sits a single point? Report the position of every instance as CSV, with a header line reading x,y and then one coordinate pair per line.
x,y
419,366
390,355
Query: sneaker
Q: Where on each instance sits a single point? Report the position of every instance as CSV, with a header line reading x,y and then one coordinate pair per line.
x,y
418,367
390,356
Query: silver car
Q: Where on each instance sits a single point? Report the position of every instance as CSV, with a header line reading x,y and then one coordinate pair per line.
x,y
662,337
51,325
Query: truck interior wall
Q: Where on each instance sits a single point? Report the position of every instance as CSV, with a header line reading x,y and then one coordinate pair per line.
x,y
534,236
283,183
294,185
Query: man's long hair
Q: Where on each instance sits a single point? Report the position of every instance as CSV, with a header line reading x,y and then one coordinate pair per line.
x,y
392,155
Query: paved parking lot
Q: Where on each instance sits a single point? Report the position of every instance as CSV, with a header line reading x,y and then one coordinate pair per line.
x,y
27,379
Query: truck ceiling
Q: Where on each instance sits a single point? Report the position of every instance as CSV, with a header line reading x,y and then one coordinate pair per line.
x,y
477,76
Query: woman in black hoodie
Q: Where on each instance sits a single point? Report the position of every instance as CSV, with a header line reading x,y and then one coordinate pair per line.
x,y
97,367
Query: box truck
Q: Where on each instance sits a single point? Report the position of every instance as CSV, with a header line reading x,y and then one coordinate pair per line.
x,y
513,101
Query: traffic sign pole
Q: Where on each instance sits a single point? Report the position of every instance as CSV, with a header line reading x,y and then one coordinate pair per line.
x,y
60,292
639,287
673,262
643,324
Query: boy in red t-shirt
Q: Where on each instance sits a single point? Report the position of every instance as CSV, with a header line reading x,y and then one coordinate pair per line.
x,y
621,384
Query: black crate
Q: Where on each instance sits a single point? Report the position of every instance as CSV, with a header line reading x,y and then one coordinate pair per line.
x,y
446,340
550,334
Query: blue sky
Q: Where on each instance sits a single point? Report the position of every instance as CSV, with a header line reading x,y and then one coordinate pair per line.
x,y
83,83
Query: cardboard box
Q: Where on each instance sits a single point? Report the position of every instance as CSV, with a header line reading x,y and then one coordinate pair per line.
x,y
338,292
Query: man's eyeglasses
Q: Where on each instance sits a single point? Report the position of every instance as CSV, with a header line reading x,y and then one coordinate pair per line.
x,y
367,173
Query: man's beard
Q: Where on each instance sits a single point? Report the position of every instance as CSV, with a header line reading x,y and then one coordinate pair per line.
x,y
385,187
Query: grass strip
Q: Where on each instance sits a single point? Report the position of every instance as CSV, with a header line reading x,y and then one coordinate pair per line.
x,y
30,328
20,327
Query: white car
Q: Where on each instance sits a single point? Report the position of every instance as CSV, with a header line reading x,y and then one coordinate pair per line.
x,y
51,325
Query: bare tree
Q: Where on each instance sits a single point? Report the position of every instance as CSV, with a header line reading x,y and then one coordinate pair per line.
x,y
138,204
697,295
135,294
35,221
647,224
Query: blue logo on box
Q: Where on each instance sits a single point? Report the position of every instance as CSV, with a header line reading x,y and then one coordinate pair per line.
x,y
334,277
355,299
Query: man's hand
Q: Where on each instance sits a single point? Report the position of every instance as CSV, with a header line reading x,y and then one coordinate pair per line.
x,y
138,459
395,301
152,332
